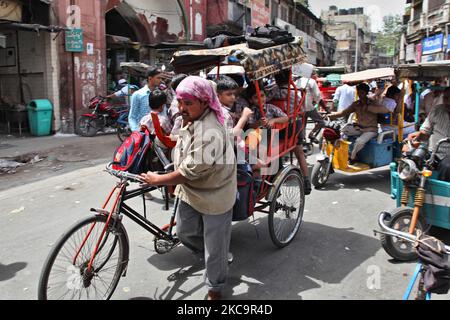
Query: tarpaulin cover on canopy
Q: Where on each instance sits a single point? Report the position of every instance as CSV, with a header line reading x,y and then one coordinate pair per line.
x,y
366,75
257,63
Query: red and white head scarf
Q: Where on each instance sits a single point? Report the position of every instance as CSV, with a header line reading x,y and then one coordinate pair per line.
x,y
194,87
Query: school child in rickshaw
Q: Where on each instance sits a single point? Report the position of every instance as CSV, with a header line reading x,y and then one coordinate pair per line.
x,y
157,102
227,90
366,127
435,128
279,91
274,115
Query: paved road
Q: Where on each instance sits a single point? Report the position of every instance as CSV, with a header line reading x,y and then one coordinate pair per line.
x,y
335,255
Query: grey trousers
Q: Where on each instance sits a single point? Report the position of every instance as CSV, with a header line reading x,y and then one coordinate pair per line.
x,y
208,234
364,137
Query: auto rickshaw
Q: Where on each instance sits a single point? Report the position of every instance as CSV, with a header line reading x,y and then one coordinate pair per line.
x,y
378,152
422,201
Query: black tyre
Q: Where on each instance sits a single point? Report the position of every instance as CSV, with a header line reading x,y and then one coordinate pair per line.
x,y
63,279
123,133
286,209
397,248
320,173
87,126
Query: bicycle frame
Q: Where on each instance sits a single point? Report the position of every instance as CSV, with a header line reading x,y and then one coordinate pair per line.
x,y
121,208
418,272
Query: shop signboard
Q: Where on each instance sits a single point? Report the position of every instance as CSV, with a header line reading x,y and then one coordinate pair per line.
x,y
448,43
74,40
433,44
411,52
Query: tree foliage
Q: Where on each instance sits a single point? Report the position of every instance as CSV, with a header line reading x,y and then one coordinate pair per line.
x,y
389,38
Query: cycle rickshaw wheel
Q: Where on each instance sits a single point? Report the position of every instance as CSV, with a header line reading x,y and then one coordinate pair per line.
x,y
286,209
64,279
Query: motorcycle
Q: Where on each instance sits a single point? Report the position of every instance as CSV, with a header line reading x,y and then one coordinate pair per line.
x,y
415,187
104,115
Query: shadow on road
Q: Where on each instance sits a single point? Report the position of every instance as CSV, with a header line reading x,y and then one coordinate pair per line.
x,y
379,179
9,271
261,271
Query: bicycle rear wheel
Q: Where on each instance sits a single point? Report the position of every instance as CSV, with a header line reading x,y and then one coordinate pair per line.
x,y
286,210
62,278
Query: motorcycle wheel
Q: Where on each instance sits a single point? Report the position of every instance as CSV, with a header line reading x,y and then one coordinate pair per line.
x,y
399,249
87,126
320,174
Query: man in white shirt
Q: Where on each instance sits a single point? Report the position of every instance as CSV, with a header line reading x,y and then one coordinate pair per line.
x,y
313,97
344,96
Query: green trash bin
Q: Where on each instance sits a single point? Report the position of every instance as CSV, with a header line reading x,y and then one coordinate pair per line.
x,y
40,114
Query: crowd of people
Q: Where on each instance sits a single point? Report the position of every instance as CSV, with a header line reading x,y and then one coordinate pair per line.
x,y
230,105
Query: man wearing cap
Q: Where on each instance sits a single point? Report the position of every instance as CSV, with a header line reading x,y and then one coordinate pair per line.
x,y
139,100
125,91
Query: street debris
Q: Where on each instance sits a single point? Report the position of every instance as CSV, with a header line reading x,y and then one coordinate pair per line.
x,y
15,211
9,166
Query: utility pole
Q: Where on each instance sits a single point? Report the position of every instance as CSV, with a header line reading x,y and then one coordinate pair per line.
x,y
245,17
357,48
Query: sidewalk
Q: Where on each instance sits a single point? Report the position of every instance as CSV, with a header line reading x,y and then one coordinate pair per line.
x,y
12,147
28,159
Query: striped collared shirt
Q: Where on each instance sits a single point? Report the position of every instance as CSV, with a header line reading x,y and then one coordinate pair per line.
x,y
437,124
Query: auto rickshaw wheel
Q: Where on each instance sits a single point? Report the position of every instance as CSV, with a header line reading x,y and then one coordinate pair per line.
x,y
320,173
287,206
397,248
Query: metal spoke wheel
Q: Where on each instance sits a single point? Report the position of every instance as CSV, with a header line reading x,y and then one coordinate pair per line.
x,y
66,274
286,209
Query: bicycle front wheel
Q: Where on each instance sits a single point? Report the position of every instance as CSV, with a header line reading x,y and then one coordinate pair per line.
x,y
66,274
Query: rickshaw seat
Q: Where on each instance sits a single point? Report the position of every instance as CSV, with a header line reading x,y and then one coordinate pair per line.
x,y
160,134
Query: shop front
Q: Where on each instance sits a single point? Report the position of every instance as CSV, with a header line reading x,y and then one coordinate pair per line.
x,y
28,62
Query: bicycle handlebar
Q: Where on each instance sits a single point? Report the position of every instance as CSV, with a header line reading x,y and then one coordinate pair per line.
x,y
402,235
123,175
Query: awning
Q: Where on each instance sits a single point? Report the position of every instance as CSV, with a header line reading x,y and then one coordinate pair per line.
x,y
424,71
366,75
30,27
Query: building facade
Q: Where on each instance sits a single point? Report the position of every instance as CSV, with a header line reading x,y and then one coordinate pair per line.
x,y
427,31
352,30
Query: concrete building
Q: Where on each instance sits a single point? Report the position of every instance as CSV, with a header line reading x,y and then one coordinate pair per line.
x,y
427,31
352,30
300,21
235,16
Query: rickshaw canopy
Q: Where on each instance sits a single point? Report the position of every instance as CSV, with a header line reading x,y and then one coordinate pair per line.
x,y
257,63
372,74
137,69
228,69
325,71
424,71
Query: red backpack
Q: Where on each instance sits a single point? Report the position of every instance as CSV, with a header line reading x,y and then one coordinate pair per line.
x,y
131,156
